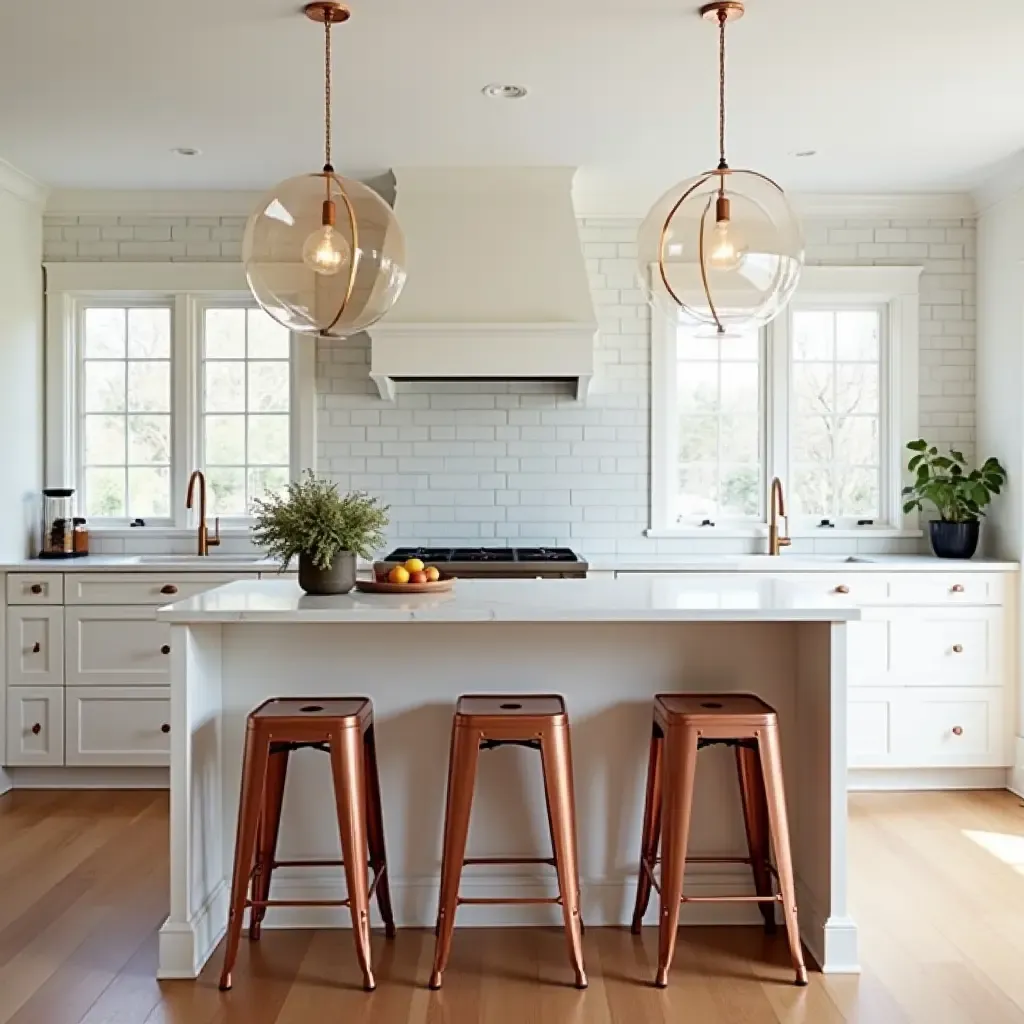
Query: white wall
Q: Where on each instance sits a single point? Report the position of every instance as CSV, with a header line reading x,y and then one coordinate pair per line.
x,y
21,372
524,463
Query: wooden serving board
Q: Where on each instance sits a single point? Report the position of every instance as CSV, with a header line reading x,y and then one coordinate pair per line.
x,y
442,585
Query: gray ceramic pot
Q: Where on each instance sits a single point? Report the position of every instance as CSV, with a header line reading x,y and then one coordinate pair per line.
x,y
340,578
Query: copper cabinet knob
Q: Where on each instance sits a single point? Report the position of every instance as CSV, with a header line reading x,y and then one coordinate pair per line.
x,y
842,589
36,648
957,588
958,730
36,588
165,728
36,729
958,648
166,649
168,588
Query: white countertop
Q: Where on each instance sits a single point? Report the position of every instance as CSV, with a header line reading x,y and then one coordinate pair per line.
x,y
688,599
788,562
795,562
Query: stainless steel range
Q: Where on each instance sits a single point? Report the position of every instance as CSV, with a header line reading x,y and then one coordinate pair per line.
x,y
495,563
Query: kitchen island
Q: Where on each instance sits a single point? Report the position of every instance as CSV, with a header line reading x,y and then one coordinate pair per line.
x,y
607,645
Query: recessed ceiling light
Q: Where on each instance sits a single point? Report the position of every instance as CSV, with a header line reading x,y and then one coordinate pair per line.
x,y
186,151
497,91
805,152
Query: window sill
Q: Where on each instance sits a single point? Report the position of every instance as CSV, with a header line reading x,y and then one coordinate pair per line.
x,y
165,532
749,532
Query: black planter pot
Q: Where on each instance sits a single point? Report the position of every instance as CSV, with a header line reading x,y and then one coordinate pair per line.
x,y
954,540
340,578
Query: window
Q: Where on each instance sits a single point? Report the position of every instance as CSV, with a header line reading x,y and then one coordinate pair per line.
x,y
824,398
126,411
156,370
245,407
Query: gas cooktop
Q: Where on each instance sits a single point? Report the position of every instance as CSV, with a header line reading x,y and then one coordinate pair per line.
x,y
496,562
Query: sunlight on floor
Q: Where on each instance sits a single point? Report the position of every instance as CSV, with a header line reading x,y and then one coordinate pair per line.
x,y
1007,848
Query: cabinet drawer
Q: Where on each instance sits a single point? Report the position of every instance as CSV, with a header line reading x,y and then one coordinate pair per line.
x,y
862,588
35,588
140,588
950,727
947,647
118,726
35,725
947,588
116,646
35,646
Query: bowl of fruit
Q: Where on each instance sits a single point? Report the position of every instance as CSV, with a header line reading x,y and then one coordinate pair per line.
x,y
409,577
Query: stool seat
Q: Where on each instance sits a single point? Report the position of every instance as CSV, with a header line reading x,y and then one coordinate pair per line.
x,y
358,709
538,722
514,705
698,706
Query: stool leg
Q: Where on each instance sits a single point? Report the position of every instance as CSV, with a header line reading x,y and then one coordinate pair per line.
x,y
680,761
347,760
556,755
254,774
375,833
269,830
755,821
465,752
771,766
651,831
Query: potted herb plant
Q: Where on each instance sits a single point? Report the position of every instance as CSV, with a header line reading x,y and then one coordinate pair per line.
x,y
324,529
959,496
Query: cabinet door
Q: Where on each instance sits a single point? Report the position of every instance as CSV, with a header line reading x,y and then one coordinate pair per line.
x,y
117,646
947,647
951,727
35,725
118,726
35,646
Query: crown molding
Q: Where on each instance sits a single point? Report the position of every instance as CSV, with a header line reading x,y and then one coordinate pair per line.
x,y
99,202
22,185
633,204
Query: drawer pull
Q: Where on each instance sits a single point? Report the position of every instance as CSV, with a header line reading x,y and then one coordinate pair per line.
x,y
958,730
36,729
842,589
957,588
168,588
165,728
166,649
36,648
958,648
36,588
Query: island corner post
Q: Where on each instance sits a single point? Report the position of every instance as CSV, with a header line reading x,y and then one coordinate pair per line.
x,y
235,647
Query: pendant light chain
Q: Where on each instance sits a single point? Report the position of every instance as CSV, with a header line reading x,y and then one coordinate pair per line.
x,y
327,95
722,19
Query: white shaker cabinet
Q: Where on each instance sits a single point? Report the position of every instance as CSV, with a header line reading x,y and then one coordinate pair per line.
x,y
35,646
35,726
118,725
116,645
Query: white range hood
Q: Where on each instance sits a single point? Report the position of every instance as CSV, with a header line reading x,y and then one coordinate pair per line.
x,y
497,286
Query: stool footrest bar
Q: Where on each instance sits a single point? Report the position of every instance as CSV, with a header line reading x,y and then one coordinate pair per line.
x,y
509,901
298,903
732,899
510,860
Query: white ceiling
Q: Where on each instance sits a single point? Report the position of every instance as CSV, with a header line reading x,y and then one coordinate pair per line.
x,y
896,95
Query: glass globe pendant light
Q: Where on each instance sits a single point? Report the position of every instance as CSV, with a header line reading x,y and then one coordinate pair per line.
x,y
723,250
323,254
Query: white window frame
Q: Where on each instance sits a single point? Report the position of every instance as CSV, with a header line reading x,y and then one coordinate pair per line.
x,y
189,288
896,290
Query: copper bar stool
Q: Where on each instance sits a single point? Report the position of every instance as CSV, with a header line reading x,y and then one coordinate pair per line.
x,y
483,723
684,724
343,728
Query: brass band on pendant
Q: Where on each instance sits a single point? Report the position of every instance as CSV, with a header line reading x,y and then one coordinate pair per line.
x,y
354,229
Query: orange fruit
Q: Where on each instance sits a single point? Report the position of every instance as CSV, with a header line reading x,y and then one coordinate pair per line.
x,y
414,565
433,574
417,577
399,574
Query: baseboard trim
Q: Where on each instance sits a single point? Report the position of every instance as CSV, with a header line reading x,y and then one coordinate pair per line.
x,y
185,946
867,780
88,778
1016,780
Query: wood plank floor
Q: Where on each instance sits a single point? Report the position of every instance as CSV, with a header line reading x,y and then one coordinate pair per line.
x,y
938,890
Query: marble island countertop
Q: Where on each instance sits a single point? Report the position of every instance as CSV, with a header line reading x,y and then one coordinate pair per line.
x,y
697,598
